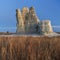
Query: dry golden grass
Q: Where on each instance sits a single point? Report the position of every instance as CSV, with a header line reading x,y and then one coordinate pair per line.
x,y
29,48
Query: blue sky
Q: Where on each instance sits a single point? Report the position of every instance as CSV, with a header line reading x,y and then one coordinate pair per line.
x,y
45,9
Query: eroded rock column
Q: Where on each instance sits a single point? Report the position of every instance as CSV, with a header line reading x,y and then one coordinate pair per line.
x,y
20,22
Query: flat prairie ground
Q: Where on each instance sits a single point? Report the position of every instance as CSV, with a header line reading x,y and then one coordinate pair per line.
x,y
29,48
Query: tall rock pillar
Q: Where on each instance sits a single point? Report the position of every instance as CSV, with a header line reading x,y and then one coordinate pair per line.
x,y
33,19
25,12
20,22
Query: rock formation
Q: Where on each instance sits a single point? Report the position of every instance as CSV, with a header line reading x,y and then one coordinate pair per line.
x,y
45,27
28,22
20,22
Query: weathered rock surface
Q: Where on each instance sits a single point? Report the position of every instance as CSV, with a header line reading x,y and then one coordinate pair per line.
x,y
20,22
28,22
45,27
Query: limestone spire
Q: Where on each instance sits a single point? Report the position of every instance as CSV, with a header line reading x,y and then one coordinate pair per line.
x,y
33,15
24,11
31,10
20,22
18,15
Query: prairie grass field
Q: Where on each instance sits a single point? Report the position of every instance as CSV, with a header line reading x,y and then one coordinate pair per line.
x,y
29,48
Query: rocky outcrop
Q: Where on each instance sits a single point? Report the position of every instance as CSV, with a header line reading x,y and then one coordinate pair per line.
x,y
45,27
28,22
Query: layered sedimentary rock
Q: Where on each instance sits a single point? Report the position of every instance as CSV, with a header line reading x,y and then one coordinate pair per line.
x,y
28,22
